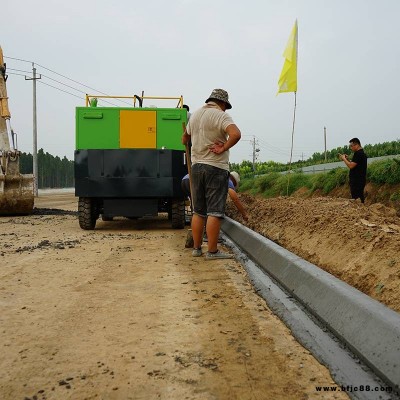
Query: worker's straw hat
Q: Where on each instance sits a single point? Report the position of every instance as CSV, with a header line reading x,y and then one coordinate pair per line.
x,y
222,95
236,177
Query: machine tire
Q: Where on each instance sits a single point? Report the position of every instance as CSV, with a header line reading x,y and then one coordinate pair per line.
x,y
87,213
178,214
170,211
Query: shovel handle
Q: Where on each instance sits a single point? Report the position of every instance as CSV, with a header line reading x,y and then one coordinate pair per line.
x,y
189,164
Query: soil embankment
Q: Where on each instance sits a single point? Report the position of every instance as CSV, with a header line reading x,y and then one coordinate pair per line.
x,y
359,244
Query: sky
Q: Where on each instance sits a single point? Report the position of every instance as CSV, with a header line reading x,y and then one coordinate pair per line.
x,y
348,61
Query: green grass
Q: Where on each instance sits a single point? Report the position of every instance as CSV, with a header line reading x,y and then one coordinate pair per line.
x,y
385,171
274,184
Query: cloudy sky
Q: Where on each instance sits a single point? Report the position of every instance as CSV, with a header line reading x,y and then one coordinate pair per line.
x,y
349,62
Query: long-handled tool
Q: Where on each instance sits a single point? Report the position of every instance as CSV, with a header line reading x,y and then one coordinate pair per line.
x,y
189,238
189,164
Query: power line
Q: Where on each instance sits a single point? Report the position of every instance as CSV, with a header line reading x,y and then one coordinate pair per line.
x,y
273,149
61,90
280,151
66,77
54,87
19,70
61,83
72,94
14,73
79,83
18,59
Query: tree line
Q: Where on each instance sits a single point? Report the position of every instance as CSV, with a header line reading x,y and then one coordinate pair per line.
x,y
53,172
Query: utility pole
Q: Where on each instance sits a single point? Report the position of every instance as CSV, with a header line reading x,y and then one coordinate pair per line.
x,y
255,151
34,155
325,141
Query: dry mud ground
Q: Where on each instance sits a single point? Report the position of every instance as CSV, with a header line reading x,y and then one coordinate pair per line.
x,y
125,312
359,244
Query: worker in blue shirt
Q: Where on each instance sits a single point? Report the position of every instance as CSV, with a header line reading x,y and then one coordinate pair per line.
x,y
233,183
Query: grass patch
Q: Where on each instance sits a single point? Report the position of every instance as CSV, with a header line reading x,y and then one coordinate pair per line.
x,y
385,171
275,184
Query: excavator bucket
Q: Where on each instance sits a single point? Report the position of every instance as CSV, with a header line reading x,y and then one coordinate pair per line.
x,y
16,190
16,194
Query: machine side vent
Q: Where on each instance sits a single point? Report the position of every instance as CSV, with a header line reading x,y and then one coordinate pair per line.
x,y
98,115
174,116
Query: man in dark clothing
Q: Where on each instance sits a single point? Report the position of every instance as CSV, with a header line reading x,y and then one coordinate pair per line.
x,y
358,169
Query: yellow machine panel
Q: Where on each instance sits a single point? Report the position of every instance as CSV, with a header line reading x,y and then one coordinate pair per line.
x,y
138,129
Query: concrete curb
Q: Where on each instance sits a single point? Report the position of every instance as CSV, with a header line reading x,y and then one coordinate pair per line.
x,y
369,328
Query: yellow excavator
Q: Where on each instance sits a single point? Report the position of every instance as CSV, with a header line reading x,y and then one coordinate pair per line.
x,y
16,189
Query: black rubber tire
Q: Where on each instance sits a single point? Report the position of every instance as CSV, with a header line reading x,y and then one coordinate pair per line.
x,y
170,211
178,214
87,213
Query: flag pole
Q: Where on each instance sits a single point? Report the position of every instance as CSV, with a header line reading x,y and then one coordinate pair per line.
x,y
291,148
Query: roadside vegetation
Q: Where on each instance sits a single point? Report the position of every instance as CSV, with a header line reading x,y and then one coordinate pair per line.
x,y
246,168
276,184
383,180
270,179
53,172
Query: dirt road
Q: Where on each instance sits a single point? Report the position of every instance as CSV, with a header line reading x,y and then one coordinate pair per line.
x,y
125,312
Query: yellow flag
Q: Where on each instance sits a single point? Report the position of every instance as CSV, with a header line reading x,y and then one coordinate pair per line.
x,y
288,79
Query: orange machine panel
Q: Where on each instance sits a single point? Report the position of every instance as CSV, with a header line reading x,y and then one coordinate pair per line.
x,y
137,129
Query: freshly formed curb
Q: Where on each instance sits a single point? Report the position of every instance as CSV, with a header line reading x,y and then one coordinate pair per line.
x,y
369,328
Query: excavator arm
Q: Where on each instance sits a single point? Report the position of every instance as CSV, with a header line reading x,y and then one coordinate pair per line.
x,y
16,189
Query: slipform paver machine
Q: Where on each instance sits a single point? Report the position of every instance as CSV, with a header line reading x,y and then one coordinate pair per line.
x,y
129,161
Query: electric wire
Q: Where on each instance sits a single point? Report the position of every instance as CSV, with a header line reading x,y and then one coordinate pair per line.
x,y
72,94
14,73
19,70
61,90
66,77
79,83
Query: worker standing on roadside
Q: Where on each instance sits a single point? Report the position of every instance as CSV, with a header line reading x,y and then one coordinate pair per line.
x,y
358,169
212,133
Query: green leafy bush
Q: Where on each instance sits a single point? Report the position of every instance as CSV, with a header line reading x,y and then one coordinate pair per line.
x,y
395,197
330,180
246,184
265,183
296,181
385,171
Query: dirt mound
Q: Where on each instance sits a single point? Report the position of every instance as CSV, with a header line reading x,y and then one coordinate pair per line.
x,y
359,244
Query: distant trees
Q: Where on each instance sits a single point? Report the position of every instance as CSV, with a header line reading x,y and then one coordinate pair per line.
x,y
245,168
53,172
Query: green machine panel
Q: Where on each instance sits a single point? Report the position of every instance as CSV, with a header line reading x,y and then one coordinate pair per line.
x,y
97,128
169,128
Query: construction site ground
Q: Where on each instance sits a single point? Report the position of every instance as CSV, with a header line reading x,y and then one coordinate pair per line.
x,y
125,311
